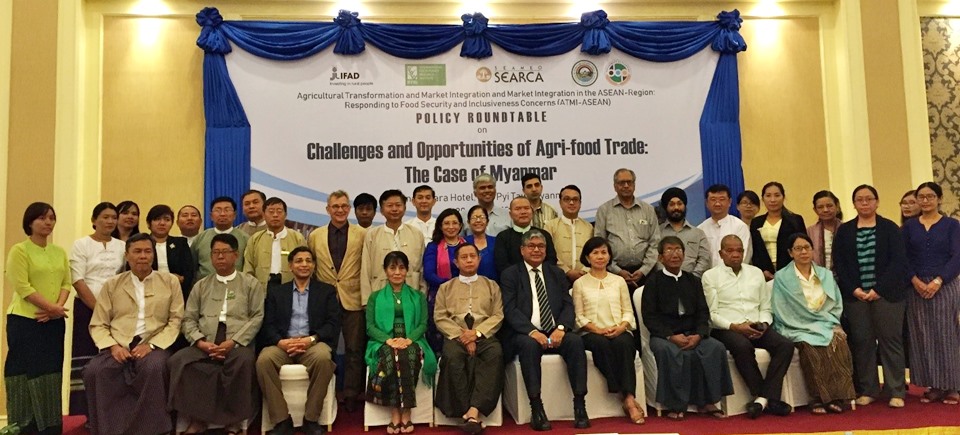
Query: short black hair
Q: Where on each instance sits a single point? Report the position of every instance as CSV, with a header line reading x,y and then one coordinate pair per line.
x,y
873,190
751,196
365,199
158,211
390,193
274,200
456,251
220,199
190,206
572,187
669,240
298,250
100,208
423,187
33,212
718,188
227,238
396,257
798,235
139,237
594,243
263,197
932,186
527,177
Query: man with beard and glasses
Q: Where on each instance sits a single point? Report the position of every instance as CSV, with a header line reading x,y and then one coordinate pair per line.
x,y
697,256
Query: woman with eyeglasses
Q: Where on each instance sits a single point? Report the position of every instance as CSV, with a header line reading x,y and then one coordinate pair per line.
x,y
439,265
806,309
909,208
871,266
933,251
477,219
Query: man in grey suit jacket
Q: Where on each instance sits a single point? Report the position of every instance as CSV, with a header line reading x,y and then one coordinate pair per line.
x,y
539,318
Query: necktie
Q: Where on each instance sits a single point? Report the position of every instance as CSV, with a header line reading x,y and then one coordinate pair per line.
x,y
546,315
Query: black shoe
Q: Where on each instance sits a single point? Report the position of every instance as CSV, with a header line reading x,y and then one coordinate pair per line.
x,y
779,408
754,410
580,419
538,418
283,428
312,428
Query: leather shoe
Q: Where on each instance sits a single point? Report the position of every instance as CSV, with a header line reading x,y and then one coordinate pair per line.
x,y
538,418
754,410
779,408
312,428
283,428
580,419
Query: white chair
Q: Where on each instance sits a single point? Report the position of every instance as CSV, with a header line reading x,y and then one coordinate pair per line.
x,y
556,393
376,415
494,419
736,403
294,382
649,361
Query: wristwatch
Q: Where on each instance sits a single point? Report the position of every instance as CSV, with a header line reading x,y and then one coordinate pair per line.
x,y
313,339
152,347
561,328
479,335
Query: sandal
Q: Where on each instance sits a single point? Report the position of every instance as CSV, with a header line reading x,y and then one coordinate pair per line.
x,y
635,413
835,407
932,395
675,415
195,428
406,425
952,398
818,409
715,413
393,429
471,426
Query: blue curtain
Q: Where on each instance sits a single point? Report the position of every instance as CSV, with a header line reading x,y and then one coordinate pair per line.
x,y
228,131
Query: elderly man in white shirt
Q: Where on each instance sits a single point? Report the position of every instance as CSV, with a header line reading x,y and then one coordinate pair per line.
x,y
740,316
721,223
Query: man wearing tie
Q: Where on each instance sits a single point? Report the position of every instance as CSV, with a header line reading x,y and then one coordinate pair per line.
x,y
539,318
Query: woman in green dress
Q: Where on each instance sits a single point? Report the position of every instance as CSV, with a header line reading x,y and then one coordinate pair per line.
x,y
397,350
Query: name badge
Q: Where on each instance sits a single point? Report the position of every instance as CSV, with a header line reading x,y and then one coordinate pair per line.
x,y
231,295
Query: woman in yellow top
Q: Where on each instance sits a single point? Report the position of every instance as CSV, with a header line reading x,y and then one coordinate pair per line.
x,y
39,273
605,319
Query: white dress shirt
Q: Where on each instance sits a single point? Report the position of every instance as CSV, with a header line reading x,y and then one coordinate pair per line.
x,y
276,251
535,306
717,230
425,227
139,290
162,264
226,290
737,297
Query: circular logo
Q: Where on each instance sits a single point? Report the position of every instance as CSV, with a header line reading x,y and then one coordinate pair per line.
x,y
484,74
584,73
617,73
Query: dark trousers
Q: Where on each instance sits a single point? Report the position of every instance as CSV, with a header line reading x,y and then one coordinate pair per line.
x,y
614,357
470,381
571,350
872,325
354,327
742,349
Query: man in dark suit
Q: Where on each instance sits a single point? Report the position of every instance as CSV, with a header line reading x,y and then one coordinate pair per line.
x,y
538,319
506,252
301,325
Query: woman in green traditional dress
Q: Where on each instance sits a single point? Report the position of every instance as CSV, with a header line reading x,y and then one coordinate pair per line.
x,y
397,350
39,273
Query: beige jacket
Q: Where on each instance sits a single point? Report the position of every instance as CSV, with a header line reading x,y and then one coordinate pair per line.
x,y
377,243
258,254
568,255
115,315
244,311
347,281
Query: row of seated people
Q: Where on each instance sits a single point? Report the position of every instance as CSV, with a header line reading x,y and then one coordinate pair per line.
x,y
470,311
342,281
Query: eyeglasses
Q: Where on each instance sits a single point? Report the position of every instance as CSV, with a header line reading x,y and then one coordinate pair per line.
x,y
570,199
340,207
927,197
478,219
624,182
219,252
672,250
864,199
806,248
536,246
